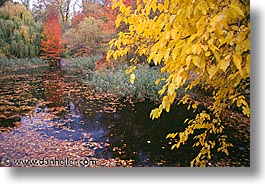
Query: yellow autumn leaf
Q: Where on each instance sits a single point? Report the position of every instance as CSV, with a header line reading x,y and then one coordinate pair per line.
x,y
237,9
171,88
118,21
246,111
148,10
172,18
237,59
224,63
212,71
130,69
139,7
160,7
172,97
208,53
166,103
109,54
171,135
248,64
162,91
155,113
123,8
167,35
196,60
115,55
153,5
195,105
132,78
166,4
157,81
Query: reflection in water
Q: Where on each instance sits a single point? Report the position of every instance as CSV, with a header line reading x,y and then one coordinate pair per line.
x,y
61,107
53,88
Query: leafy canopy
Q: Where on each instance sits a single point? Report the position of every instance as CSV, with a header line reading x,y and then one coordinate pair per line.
x,y
200,43
86,38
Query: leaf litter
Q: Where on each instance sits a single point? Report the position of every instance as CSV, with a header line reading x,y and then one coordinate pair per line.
x,y
30,105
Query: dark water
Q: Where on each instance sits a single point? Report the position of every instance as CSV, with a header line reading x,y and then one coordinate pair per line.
x,y
113,128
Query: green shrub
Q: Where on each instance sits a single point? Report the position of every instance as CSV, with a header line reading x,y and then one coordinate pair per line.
x,y
82,63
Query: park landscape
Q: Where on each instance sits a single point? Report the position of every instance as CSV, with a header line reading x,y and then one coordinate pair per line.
x,y
125,83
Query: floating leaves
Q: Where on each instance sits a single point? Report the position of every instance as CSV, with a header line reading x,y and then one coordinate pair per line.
x,y
37,133
70,129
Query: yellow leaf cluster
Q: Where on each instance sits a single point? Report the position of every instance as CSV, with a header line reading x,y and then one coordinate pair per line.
x,y
202,43
130,70
132,78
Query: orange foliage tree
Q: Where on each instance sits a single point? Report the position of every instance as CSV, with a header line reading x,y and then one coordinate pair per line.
x,y
101,11
51,46
96,21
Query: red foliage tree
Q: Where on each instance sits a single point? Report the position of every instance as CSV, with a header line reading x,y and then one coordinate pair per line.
x,y
109,16
51,46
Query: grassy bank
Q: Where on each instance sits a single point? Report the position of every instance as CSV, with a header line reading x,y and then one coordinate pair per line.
x,y
81,63
117,82
114,80
15,63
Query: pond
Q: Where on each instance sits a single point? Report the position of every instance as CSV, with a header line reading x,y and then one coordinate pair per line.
x,y
48,113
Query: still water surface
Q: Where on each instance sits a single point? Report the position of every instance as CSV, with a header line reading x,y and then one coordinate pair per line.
x,y
53,113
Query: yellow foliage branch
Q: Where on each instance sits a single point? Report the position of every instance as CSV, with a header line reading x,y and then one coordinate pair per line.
x,y
201,43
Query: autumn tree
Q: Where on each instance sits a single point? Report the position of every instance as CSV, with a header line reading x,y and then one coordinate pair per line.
x,y
202,44
101,11
96,23
19,32
108,16
85,39
51,39
42,8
